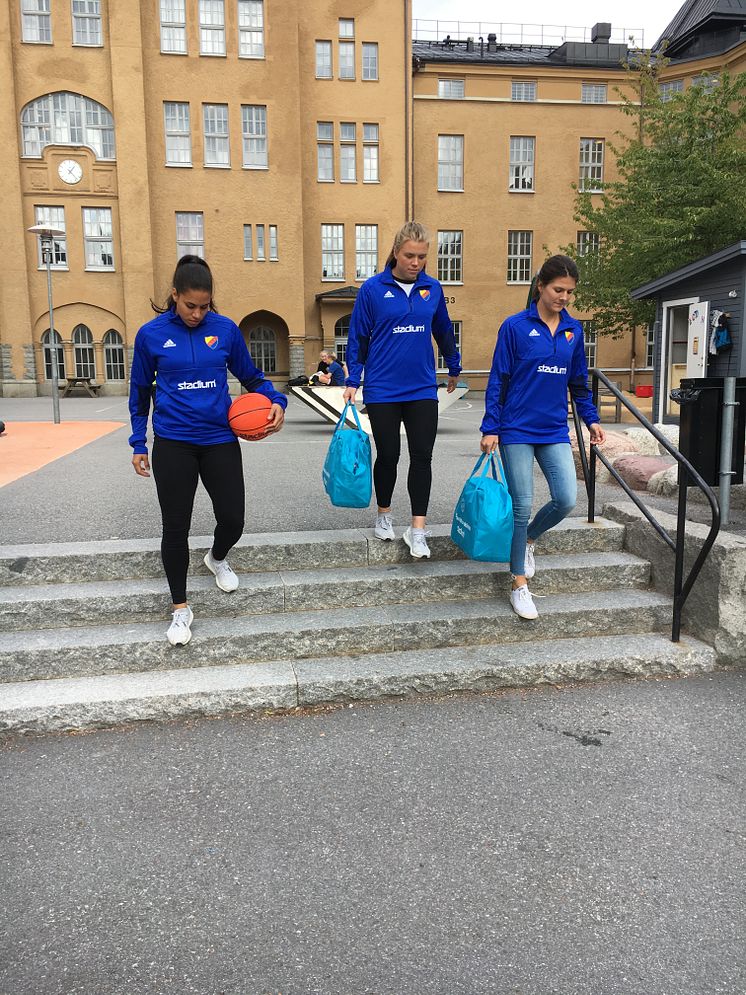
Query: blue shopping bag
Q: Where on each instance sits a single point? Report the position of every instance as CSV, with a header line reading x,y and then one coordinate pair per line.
x,y
483,520
347,468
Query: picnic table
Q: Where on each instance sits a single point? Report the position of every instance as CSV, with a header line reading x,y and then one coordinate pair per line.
x,y
83,383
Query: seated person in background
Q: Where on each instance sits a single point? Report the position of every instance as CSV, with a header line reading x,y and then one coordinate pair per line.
x,y
334,375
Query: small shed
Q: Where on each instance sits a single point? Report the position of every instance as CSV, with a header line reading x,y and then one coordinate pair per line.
x,y
689,302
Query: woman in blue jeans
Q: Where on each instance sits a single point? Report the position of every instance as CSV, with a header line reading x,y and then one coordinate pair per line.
x,y
539,355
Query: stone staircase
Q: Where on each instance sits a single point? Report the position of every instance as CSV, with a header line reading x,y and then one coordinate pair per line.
x,y
320,617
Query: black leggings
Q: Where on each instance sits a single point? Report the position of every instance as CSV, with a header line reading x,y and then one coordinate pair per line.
x,y
421,424
176,467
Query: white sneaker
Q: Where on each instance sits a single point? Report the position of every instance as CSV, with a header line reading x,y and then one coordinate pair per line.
x,y
529,563
523,603
384,528
416,540
179,632
224,576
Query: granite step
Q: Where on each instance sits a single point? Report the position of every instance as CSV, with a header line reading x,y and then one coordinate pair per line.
x,y
87,702
110,602
114,559
132,647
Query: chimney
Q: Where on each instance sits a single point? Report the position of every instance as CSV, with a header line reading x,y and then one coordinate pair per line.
x,y
492,43
601,33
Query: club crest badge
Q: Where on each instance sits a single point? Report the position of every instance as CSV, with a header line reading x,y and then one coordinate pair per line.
x,y
211,341
425,294
569,336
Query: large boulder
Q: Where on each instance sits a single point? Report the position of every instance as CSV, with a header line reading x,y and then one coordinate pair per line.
x,y
642,441
665,482
616,444
636,470
671,432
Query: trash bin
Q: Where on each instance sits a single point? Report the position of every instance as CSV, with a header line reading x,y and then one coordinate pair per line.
x,y
700,427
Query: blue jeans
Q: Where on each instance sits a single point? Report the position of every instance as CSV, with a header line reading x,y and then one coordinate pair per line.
x,y
558,467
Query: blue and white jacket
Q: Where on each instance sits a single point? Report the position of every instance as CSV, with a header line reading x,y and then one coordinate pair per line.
x,y
391,337
526,399
192,364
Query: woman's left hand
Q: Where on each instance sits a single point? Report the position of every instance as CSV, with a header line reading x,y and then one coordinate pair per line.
x,y
598,436
452,384
276,418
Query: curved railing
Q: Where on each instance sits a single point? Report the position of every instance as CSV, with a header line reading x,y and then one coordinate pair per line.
x,y
682,588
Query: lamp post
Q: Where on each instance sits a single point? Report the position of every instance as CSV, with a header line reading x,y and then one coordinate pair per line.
x,y
47,236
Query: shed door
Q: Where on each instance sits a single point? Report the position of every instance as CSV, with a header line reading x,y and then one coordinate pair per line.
x,y
697,339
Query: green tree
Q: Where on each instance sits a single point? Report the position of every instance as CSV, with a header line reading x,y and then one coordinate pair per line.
x,y
680,193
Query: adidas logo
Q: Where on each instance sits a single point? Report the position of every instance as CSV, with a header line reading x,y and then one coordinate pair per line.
x,y
533,333
169,344
388,294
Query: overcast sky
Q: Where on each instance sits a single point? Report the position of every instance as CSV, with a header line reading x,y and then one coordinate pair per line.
x,y
652,16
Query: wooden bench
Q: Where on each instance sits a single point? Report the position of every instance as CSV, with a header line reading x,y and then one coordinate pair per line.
x,y
83,383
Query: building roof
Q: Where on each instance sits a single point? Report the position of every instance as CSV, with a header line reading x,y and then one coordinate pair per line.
x,y
341,294
694,14
688,272
602,54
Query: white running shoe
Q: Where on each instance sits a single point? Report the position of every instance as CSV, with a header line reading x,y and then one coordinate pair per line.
x,y
224,576
416,539
384,528
529,563
179,632
523,603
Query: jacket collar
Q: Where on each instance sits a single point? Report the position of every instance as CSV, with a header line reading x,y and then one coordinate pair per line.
x,y
387,276
566,319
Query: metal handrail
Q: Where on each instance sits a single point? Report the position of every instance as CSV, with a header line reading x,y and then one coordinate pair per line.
x,y
681,588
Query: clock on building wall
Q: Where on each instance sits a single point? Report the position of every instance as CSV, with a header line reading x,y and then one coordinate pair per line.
x,y
70,171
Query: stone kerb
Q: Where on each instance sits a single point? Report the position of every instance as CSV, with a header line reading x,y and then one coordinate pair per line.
x,y
715,610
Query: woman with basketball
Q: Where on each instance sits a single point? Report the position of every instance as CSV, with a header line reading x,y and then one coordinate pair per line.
x,y
396,316
539,355
191,348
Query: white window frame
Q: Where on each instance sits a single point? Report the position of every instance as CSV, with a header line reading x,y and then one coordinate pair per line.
x,y
650,347
114,361
451,89
36,22
520,248
366,251
371,158
332,253
346,59
347,27
64,118
594,93
46,345
192,225
451,256
84,355
347,152
451,163
216,137
248,243
274,247
324,152
587,242
261,244
457,330
523,90
590,341
591,176
263,348
53,216
250,29
369,66
86,15
324,59
212,28
173,27
177,132
98,233
521,176
669,88
254,136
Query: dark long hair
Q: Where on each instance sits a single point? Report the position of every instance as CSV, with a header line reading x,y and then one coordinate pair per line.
x,y
191,273
553,269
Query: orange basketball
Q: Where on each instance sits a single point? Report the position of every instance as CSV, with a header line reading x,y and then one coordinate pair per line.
x,y
247,416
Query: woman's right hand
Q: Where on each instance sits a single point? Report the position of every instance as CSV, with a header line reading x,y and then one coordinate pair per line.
x,y
489,443
349,394
141,464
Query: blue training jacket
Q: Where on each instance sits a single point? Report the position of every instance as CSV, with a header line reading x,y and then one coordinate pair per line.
x,y
391,337
526,399
192,398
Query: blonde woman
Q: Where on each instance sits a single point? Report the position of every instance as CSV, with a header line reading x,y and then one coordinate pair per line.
x,y
396,316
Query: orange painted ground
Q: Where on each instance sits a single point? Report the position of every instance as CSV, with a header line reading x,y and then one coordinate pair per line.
x,y
29,445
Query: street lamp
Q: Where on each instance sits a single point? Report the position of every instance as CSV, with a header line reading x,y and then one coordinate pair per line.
x,y
47,236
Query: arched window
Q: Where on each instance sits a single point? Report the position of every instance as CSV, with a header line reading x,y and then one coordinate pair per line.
x,y
114,355
85,363
67,119
341,331
48,356
262,348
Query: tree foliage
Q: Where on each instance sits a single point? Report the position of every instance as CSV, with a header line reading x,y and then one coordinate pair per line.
x,y
680,194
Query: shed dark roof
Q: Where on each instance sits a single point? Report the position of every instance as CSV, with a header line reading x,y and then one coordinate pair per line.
x,y
341,294
689,271
569,54
695,13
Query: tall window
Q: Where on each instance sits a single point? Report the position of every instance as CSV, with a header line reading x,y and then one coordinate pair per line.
x,y
590,340
247,242
451,89
47,349
190,234
263,348
523,90
36,22
98,238
366,251
347,153
347,60
173,27
53,217
370,153
251,29
341,335
457,336
332,252
254,127
451,162
261,252
114,355
670,88
650,346
178,134
67,119
85,363
325,151
519,256
217,143
212,27
323,60
591,164
593,93
588,241
274,248
450,256
87,22
370,60
522,150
